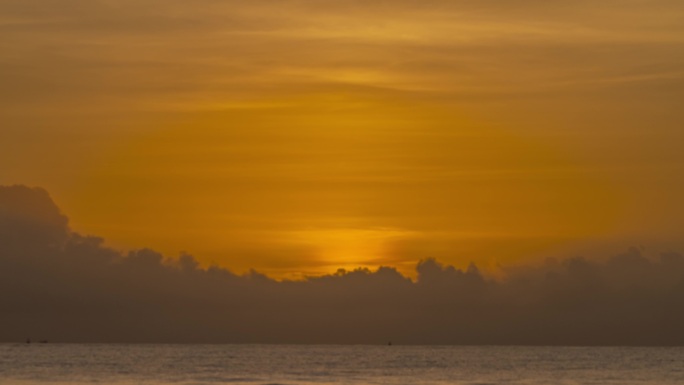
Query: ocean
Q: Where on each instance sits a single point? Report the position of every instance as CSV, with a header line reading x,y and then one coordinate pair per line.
x,y
123,364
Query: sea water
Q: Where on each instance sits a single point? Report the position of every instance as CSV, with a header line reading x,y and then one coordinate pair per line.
x,y
24,364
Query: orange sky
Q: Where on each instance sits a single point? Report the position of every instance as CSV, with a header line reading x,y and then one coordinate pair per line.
x,y
296,137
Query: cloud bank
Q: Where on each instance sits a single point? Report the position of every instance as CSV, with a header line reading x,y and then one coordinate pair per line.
x,y
65,287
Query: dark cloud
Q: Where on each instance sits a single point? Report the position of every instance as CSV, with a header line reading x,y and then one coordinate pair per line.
x,y
63,286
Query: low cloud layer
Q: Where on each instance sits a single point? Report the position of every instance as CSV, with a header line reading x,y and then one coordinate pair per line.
x,y
65,287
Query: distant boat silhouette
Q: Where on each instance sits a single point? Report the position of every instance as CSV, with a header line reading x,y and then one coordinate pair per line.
x,y
389,343
28,340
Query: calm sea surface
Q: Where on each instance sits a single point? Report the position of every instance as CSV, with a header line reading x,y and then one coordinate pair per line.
x,y
276,364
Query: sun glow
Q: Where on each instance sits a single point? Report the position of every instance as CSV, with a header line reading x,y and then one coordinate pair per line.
x,y
349,248
341,182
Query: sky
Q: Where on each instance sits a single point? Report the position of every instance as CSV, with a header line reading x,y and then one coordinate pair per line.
x,y
299,137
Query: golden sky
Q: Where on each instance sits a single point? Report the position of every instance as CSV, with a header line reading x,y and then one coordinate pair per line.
x,y
296,137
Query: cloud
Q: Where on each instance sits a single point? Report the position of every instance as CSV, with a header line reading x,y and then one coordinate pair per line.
x,y
62,286
221,53
29,218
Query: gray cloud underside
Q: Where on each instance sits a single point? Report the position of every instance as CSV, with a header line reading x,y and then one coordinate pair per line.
x,y
62,286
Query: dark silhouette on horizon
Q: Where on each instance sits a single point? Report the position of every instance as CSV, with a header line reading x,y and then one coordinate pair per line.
x,y
57,283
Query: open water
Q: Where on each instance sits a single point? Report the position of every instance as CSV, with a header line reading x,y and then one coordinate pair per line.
x,y
22,364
